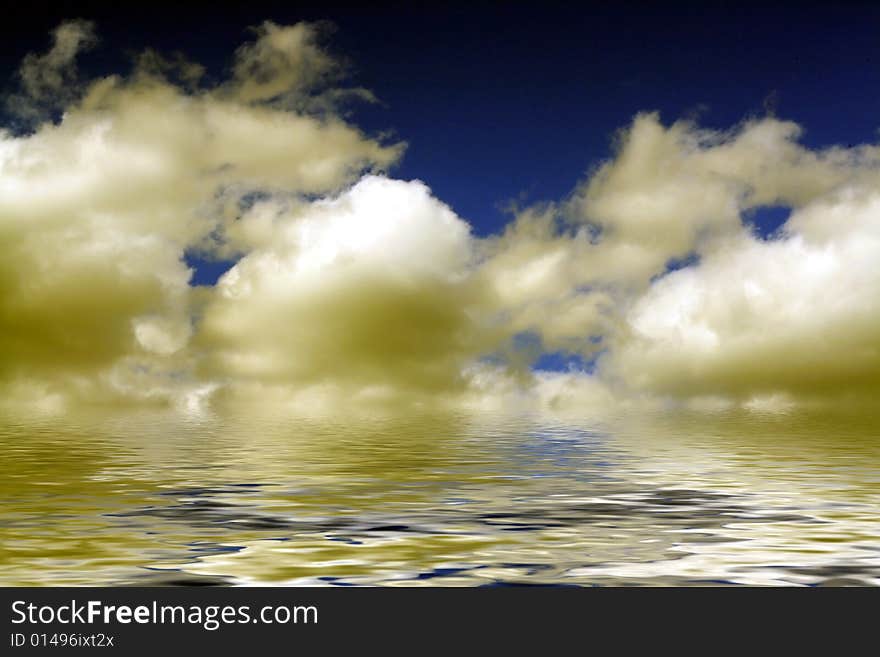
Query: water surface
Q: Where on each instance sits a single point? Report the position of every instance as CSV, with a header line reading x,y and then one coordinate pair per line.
x,y
155,499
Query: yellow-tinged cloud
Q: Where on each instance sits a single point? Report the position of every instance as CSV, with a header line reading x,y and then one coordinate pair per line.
x,y
763,324
98,210
794,319
359,290
369,294
49,81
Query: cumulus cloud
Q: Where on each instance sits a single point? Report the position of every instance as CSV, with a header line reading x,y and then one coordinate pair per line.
x,y
763,324
98,210
797,318
368,294
353,289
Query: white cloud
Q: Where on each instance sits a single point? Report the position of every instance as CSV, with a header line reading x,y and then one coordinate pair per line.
x,y
748,321
360,290
370,290
98,210
798,316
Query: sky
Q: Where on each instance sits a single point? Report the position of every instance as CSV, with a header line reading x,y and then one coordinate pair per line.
x,y
503,103
578,207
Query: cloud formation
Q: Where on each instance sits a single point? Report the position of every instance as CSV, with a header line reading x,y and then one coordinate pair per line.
x,y
351,288
98,210
49,81
793,319
369,295
653,258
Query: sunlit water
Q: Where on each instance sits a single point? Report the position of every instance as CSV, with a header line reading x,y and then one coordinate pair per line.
x,y
150,499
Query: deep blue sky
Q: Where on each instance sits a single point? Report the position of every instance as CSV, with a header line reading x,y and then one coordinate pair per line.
x,y
501,102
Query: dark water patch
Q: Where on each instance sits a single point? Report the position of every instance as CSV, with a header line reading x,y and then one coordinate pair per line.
x,y
229,489
213,548
446,572
173,577
694,508
841,582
